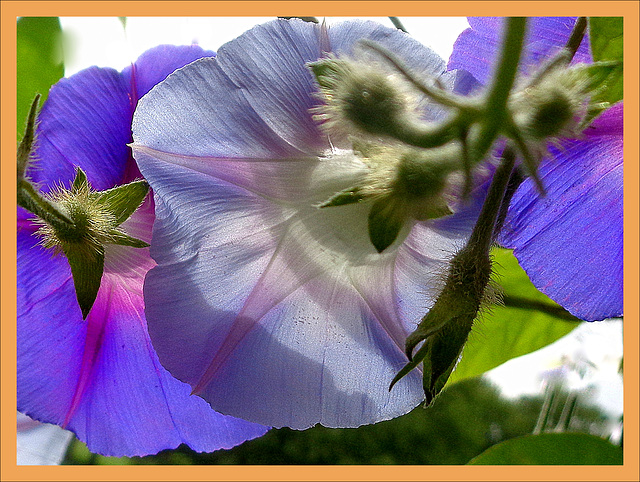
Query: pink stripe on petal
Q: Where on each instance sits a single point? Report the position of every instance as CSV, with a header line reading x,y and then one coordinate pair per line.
x,y
277,179
96,322
376,284
289,269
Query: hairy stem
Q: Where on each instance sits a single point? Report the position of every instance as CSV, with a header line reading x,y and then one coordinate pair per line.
x,y
498,95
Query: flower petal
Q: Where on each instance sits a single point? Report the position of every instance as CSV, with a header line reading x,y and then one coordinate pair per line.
x,y
282,180
100,377
40,443
219,116
242,263
304,364
477,48
570,242
154,65
85,122
114,394
275,310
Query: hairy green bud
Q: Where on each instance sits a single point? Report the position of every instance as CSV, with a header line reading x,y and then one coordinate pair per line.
x,y
360,96
402,183
94,219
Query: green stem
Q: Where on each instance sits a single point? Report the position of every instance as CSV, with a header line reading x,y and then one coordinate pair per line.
x,y
31,200
526,304
482,234
437,93
577,34
398,24
517,177
498,95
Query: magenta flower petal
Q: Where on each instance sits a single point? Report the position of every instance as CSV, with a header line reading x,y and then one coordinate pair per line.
x,y
275,310
571,241
101,377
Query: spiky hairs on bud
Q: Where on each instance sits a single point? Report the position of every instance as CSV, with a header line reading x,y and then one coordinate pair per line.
x,y
553,104
359,96
92,222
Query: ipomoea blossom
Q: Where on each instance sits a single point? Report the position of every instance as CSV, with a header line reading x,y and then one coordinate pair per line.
x,y
274,309
100,377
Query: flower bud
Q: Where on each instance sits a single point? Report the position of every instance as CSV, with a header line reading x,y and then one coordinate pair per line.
x,y
549,116
94,219
403,183
361,96
555,101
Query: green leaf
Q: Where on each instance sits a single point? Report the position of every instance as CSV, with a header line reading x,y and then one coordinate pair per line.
x,y
123,200
384,224
606,37
86,269
39,55
527,322
552,449
346,196
123,239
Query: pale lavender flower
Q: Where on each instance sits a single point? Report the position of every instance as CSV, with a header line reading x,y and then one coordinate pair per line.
x,y
276,310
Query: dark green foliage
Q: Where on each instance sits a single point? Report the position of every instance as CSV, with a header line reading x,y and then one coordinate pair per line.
x,y
552,449
464,421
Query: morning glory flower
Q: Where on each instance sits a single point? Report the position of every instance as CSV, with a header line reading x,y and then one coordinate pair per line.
x,y
570,242
275,309
100,377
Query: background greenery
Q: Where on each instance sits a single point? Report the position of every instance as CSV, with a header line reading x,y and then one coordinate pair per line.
x,y
468,418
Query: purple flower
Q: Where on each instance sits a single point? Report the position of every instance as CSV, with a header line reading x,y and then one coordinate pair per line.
x,y
273,309
100,377
570,242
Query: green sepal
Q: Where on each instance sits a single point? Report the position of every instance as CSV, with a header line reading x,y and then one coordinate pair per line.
x,y
325,71
443,352
439,354
80,182
25,147
30,199
122,201
437,209
384,224
601,76
86,269
122,239
347,196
